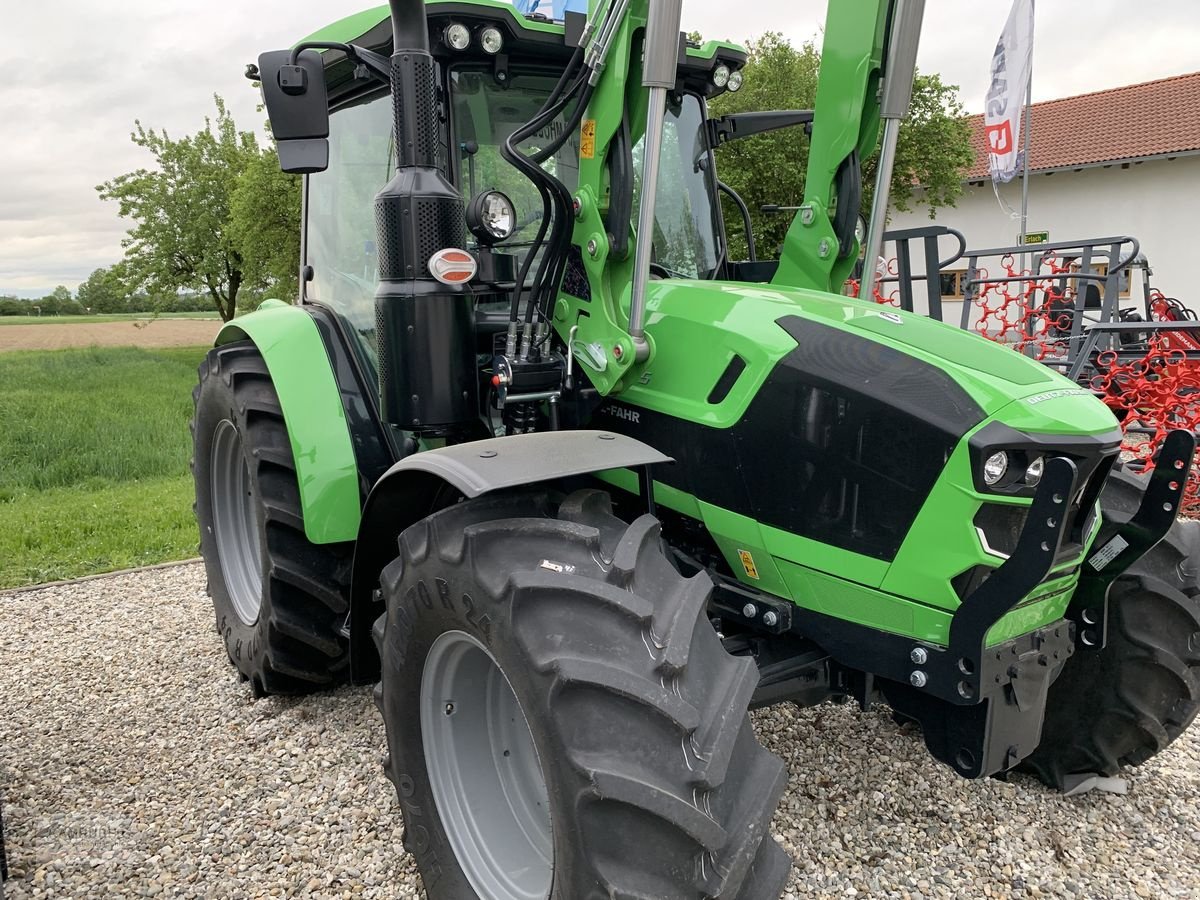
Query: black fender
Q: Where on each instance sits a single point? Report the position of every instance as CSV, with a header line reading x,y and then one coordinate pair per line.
x,y
424,482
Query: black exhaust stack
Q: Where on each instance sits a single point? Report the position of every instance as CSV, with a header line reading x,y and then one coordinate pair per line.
x,y
428,378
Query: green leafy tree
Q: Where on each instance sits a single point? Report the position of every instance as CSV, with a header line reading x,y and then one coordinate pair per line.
x,y
183,236
265,222
933,152
58,302
102,292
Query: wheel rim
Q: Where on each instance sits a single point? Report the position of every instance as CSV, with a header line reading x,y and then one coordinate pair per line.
x,y
484,772
235,523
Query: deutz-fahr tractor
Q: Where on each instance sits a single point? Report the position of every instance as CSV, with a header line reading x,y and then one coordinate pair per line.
x,y
578,490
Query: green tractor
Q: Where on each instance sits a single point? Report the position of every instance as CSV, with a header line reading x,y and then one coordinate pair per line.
x,y
578,490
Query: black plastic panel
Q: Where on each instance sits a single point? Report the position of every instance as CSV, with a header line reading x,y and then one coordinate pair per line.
x,y
842,444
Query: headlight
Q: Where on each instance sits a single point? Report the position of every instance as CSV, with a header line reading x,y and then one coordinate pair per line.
x,y
994,467
1033,474
457,36
491,217
720,75
491,40
735,80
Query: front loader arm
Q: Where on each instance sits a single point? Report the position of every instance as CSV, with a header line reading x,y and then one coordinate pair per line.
x,y
845,124
599,338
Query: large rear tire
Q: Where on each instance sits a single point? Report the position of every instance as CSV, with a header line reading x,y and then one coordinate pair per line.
x,y
280,601
1122,705
562,720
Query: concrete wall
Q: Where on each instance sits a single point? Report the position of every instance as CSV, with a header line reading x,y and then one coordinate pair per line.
x,y
1157,201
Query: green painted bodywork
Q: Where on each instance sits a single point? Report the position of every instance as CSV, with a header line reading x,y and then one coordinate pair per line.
x,y
911,595
303,377
694,328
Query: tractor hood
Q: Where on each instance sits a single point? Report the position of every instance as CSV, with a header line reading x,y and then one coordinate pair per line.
x,y
722,320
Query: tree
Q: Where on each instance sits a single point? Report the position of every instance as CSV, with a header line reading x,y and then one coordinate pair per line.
x,y
102,292
933,151
58,303
183,237
265,222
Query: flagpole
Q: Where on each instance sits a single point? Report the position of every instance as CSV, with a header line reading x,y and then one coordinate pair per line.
x,y
1025,136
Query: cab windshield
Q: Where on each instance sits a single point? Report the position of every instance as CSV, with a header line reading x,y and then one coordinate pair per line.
x,y
339,233
484,115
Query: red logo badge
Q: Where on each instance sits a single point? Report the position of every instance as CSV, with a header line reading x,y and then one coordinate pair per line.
x,y
999,137
452,266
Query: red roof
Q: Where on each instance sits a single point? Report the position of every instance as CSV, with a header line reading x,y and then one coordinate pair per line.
x,y
1134,122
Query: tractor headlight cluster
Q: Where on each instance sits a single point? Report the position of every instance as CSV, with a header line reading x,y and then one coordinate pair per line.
x,y
458,37
491,40
1012,469
1033,472
995,467
491,217
725,77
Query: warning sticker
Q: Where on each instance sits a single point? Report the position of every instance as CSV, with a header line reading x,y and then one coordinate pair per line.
x,y
587,139
1108,553
748,564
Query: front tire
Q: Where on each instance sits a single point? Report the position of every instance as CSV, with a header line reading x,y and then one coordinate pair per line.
x,y
280,601
1126,703
562,720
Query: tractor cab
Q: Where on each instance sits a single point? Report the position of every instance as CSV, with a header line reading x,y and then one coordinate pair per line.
x,y
494,71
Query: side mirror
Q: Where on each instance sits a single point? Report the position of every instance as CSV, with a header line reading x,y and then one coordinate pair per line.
x,y
736,126
298,106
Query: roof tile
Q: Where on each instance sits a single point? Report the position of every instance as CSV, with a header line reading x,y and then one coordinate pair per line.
x,y
1132,122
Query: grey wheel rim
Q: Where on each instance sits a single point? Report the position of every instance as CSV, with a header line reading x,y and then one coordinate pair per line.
x,y
484,772
235,522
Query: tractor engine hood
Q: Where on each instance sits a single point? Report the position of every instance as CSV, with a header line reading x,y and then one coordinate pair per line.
x,y
748,321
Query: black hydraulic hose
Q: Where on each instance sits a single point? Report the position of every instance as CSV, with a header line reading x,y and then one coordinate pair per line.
x,y
560,239
849,197
620,208
563,79
533,172
544,182
746,220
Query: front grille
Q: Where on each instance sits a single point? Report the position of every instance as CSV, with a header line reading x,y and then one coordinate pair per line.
x,y
999,525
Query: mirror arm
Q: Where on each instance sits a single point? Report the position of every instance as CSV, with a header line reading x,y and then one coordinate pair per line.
x,y
376,64
742,125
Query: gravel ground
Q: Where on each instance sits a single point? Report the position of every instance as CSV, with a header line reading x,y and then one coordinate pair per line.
x,y
133,763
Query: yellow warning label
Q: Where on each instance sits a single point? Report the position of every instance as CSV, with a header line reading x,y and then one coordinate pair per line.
x,y
587,139
748,563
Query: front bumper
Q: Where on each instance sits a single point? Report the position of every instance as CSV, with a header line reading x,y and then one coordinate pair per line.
x,y
981,707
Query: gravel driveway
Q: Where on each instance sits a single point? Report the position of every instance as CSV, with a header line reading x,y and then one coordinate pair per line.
x,y
133,763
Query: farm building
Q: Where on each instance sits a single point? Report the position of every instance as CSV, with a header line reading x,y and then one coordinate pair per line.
x,y
1124,161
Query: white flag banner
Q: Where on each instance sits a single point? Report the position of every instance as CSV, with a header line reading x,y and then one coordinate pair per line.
x,y
1011,65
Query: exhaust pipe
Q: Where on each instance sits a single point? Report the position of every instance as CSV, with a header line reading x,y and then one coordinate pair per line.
x,y
425,325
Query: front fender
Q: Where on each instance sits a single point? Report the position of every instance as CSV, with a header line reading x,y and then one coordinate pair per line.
x,y
424,482
288,339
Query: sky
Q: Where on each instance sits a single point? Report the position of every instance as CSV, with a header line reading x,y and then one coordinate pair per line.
x,y
81,71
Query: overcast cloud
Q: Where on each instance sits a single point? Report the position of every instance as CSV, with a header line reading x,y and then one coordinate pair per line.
x,y
80,72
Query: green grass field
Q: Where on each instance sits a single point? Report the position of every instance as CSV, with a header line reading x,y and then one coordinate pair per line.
x,y
115,317
94,450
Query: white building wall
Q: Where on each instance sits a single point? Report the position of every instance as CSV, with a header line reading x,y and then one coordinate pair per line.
x,y
1157,202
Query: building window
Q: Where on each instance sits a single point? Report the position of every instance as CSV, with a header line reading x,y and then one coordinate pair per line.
x,y
952,284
